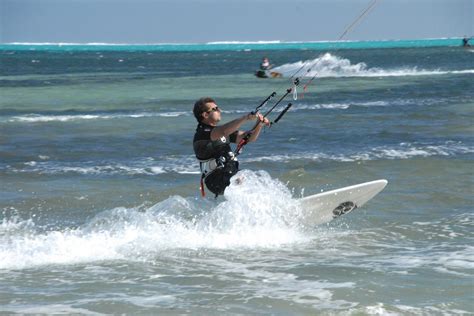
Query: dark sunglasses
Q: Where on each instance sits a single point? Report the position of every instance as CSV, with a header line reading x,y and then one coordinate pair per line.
x,y
214,110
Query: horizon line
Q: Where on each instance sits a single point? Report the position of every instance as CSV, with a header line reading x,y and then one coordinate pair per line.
x,y
229,42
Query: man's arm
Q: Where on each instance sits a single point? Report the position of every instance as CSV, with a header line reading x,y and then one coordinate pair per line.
x,y
255,132
230,127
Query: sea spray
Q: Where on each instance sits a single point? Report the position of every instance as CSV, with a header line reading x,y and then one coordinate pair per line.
x,y
256,211
332,66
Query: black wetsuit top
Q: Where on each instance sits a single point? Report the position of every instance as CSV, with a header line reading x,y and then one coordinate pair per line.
x,y
205,149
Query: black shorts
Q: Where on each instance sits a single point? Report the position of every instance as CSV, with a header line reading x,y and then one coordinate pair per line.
x,y
219,179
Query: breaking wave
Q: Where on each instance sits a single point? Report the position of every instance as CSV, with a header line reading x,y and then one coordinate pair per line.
x,y
39,118
188,165
328,65
402,151
259,212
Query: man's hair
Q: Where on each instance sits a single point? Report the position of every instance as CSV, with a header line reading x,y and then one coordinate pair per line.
x,y
200,107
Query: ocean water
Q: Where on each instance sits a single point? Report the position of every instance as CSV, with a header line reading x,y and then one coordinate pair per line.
x,y
99,188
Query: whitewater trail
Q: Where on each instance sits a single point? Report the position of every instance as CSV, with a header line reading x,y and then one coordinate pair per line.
x,y
328,65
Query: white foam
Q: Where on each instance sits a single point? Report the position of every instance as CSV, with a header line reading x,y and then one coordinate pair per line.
x,y
328,65
301,106
402,151
188,164
143,166
243,220
55,309
330,106
38,118
244,42
462,259
400,310
287,286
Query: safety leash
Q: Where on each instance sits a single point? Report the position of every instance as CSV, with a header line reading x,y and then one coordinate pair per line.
x,y
201,187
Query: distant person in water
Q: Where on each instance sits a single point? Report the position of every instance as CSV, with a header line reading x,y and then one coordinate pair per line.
x,y
465,42
265,66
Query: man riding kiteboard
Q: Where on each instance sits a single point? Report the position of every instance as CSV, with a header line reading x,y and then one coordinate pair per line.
x,y
212,143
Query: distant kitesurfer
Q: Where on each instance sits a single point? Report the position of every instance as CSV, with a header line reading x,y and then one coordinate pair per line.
x,y
465,42
263,71
265,65
212,143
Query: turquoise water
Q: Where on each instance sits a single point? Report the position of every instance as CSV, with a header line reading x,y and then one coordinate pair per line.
x,y
100,207
236,46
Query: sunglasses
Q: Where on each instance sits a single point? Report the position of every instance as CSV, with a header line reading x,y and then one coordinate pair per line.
x,y
214,110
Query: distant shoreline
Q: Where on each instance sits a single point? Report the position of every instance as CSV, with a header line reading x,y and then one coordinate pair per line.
x,y
233,45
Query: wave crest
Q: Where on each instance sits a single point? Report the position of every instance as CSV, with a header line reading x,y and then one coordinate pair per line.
x,y
328,65
142,233
187,165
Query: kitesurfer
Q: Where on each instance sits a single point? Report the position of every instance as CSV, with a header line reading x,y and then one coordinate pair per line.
x,y
263,71
264,66
212,143
465,42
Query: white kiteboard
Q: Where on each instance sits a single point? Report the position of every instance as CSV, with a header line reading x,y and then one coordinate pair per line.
x,y
324,207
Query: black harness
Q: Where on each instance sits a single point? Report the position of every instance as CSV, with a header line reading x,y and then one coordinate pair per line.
x,y
216,159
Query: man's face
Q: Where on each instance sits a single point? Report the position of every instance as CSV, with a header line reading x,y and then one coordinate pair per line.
x,y
212,115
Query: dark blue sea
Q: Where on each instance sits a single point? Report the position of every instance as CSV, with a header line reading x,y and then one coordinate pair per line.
x,y
100,210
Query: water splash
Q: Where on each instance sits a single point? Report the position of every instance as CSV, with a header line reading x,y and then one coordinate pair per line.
x,y
258,211
328,65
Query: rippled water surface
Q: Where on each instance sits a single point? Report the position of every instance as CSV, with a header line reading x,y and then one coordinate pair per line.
x,y
101,212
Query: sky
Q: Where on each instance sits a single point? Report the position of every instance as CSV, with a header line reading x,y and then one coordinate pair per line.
x,y
202,21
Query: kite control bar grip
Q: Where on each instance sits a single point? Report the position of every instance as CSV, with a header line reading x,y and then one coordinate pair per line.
x,y
263,103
